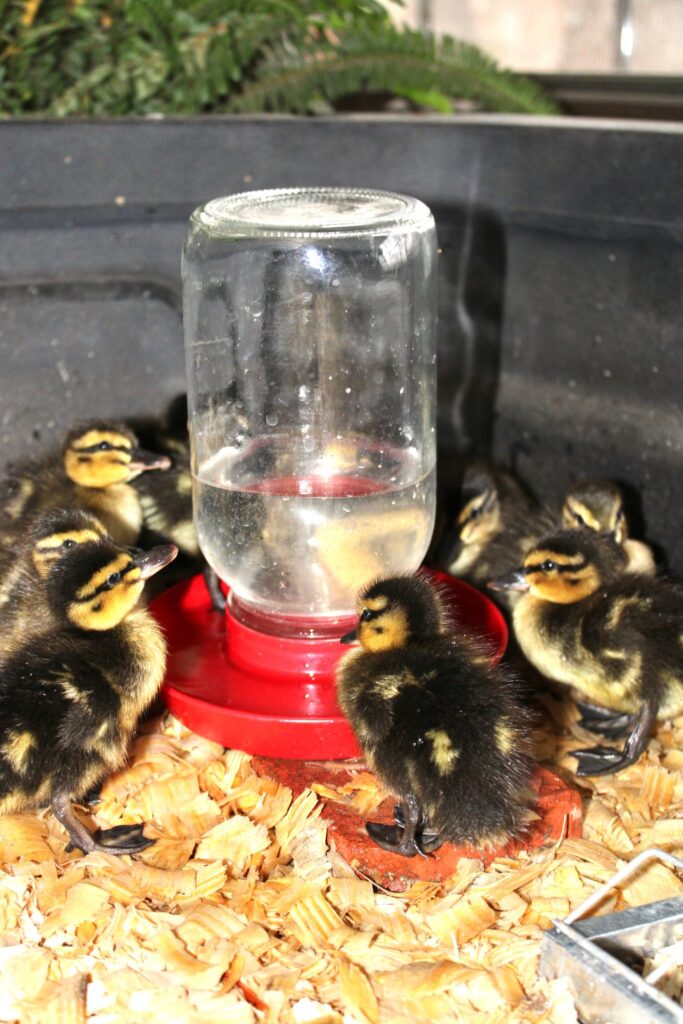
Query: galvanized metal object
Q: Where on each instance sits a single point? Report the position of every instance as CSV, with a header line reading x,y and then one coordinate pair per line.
x,y
598,956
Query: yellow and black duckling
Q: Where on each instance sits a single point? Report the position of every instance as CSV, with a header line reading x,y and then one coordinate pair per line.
x,y
24,606
94,470
442,727
613,636
599,505
497,519
71,698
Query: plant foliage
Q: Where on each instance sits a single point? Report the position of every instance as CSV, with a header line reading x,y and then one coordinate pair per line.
x,y
116,57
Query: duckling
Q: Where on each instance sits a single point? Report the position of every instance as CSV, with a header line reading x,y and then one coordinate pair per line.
x,y
613,636
166,498
24,608
441,725
599,505
70,698
497,517
97,463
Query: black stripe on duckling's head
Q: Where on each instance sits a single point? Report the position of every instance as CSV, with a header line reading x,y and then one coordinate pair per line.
x,y
396,610
94,586
58,531
101,453
597,505
567,566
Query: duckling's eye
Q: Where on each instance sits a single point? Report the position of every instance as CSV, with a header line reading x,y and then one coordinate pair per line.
x,y
548,565
580,520
365,615
113,579
68,544
104,446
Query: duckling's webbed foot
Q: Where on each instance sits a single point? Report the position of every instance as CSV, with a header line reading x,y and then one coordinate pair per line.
x,y
403,838
213,585
427,839
123,839
606,760
119,840
603,720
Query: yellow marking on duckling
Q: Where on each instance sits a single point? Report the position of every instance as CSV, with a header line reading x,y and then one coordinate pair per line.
x,y
184,534
504,736
17,750
50,549
65,681
389,686
184,484
97,579
444,754
672,700
385,632
618,608
95,436
376,604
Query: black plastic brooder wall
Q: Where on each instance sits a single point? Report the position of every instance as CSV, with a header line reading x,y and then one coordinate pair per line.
x,y
561,278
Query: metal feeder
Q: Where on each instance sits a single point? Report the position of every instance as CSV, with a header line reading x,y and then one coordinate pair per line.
x,y
601,957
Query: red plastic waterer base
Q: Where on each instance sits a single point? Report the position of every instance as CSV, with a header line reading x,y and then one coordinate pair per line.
x,y
271,695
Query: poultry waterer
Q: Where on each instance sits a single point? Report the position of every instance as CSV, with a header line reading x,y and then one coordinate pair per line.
x,y
311,350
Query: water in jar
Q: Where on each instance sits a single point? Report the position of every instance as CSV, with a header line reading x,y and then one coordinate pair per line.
x,y
298,533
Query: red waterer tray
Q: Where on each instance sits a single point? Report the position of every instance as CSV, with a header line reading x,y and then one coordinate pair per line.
x,y
271,695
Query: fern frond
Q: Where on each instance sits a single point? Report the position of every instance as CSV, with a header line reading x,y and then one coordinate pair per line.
x,y
400,62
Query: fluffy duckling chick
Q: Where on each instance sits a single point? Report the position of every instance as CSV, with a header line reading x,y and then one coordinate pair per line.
x,y
24,606
613,636
441,726
599,505
94,470
70,699
497,519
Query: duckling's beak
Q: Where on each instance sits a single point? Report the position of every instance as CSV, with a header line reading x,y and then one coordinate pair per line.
x,y
141,460
515,580
149,562
350,637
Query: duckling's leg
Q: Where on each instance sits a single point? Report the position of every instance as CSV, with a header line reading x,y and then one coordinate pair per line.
x,y
605,760
396,839
119,840
603,720
213,585
427,839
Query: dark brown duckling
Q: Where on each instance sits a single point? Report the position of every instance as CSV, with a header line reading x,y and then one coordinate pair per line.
x,y
613,636
70,698
497,520
93,472
442,726
599,505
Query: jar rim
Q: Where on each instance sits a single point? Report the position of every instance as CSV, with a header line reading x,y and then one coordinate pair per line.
x,y
318,212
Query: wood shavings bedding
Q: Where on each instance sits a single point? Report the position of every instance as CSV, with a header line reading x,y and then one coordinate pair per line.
x,y
242,913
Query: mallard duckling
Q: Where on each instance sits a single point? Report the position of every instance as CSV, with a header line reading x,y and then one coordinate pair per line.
x,y
497,517
441,726
24,606
599,505
98,461
613,636
71,698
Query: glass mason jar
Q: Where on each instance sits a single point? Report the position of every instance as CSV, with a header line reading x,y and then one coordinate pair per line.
x,y
310,341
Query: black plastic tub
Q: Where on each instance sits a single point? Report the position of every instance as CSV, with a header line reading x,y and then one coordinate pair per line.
x,y
561,278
